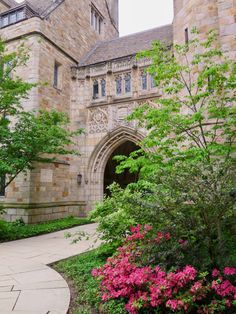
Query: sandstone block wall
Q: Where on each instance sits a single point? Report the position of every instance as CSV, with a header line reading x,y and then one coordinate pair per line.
x,y
219,15
63,37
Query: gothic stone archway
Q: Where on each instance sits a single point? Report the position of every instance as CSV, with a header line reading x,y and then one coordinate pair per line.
x,y
100,158
110,174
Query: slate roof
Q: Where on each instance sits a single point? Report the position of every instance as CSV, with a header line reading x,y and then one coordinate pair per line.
x,y
10,3
128,45
44,7
40,7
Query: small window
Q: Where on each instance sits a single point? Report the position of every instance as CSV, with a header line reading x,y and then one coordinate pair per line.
x,y
119,85
186,35
144,81
56,77
13,18
95,90
2,185
103,87
153,84
20,15
100,25
5,20
127,83
96,20
91,18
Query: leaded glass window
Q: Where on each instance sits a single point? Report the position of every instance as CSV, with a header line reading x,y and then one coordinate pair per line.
x,y
5,20
127,83
144,80
95,90
20,15
119,85
12,18
103,87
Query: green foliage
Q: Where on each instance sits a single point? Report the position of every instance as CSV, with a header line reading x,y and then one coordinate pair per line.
x,y
26,137
194,119
187,160
18,230
113,215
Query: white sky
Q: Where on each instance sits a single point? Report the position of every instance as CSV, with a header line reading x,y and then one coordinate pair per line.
x,y
140,15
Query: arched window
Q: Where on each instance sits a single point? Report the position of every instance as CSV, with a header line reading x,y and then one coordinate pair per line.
x,y
127,83
119,85
95,90
144,81
103,87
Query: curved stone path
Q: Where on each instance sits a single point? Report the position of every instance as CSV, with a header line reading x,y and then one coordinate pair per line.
x,y
27,284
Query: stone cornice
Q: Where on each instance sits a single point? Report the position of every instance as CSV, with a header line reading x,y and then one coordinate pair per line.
x,y
114,66
142,98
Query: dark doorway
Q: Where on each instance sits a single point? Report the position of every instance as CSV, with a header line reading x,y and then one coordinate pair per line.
x,y
110,174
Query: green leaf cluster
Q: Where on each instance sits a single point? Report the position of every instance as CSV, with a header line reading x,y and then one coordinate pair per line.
x,y
26,137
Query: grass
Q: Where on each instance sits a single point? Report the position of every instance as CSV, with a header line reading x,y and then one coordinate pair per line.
x,y
84,288
18,230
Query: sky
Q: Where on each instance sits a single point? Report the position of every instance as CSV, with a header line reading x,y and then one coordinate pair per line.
x,y
140,15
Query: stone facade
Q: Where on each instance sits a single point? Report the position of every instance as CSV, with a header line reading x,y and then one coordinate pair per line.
x,y
100,82
219,15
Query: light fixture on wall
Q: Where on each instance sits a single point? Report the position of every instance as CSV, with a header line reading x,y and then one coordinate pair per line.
x,y
79,179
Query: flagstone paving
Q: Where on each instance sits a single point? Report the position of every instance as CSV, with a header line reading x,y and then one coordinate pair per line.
x,y
27,284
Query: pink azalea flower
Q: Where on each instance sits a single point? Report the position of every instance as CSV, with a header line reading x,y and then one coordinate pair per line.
x,y
215,272
229,271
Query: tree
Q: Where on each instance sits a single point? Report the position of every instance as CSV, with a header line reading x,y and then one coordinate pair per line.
x,y
187,159
26,137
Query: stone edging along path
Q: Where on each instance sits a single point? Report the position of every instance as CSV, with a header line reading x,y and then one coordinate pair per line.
x,y
27,284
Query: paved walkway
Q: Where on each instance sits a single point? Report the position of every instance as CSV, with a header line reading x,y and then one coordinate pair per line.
x,y
27,284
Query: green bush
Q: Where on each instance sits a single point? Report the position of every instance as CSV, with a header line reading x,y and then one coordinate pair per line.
x,y
19,230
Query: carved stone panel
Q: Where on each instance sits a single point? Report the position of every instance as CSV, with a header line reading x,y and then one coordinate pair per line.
x,y
120,114
97,70
98,120
122,65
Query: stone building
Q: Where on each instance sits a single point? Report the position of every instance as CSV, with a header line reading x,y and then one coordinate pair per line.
x,y
94,77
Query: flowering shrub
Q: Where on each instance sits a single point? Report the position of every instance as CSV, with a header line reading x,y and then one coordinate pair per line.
x,y
148,288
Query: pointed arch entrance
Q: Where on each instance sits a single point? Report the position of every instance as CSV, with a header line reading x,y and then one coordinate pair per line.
x,y
110,174
123,140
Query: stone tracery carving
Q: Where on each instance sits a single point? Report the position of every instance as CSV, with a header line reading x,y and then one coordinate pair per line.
x,y
98,120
